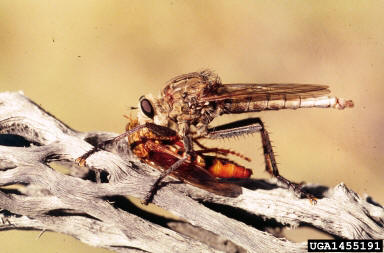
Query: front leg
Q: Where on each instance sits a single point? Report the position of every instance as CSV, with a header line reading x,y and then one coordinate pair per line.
x,y
162,131
187,155
156,186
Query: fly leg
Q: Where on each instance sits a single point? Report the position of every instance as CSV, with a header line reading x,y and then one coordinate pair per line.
x,y
81,161
162,132
271,166
188,155
249,126
153,146
156,186
158,130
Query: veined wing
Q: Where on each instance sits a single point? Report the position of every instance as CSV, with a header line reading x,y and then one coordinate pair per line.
x,y
194,174
265,91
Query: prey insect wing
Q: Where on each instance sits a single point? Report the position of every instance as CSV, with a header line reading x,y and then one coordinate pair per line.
x,y
191,172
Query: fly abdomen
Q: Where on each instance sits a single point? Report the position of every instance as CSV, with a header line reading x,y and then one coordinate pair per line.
x,y
325,102
277,102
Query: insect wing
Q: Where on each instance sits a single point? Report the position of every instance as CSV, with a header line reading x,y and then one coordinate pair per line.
x,y
201,178
195,175
260,92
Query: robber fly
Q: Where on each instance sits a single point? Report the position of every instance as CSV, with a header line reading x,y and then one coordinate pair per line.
x,y
203,171
188,103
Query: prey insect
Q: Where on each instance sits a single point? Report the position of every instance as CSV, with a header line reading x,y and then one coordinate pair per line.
x,y
188,103
203,171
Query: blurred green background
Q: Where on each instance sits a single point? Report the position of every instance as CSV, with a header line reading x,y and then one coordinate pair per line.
x,y
87,61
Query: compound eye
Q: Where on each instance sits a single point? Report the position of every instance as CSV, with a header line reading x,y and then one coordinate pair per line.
x,y
147,108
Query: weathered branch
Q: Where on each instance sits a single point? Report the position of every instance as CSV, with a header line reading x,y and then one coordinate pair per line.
x,y
100,215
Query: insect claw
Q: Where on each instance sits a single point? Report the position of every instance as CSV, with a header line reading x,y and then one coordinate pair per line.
x,y
298,190
312,199
148,198
81,161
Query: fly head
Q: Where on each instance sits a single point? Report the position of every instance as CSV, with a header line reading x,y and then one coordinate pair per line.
x,y
153,110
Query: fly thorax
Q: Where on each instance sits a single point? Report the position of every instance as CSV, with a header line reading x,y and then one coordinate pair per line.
x,y
183,128
209,111
201,129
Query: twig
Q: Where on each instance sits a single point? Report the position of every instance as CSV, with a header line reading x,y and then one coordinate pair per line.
x,y
99,213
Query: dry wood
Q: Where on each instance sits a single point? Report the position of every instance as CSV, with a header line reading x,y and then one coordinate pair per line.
x,y
100,214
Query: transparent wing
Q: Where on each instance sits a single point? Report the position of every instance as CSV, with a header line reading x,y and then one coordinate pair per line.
x,y
263,91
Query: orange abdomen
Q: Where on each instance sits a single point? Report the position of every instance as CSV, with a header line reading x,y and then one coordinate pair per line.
x,y
229,170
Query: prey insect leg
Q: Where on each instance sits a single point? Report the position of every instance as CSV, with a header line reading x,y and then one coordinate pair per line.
x,y
220,151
